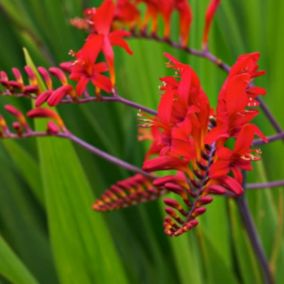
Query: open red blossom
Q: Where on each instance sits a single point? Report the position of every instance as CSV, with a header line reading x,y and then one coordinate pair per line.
x,y
189,137
102,38
211,10
237,97
239,159
182,120
85,70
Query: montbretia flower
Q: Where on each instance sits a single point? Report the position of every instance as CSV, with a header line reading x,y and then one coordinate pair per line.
x,y
240,157
190,137
102,38
211,10
85,69
236,101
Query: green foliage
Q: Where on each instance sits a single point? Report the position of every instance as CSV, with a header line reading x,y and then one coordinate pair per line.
x,y
48,186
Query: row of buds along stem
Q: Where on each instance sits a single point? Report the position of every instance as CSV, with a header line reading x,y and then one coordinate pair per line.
x,y
58,82
21,127
128,192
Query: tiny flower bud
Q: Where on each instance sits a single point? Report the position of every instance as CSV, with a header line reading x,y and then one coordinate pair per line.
x,y
42,98
59,94
59,74
198,211
211,10
217,189
18,114
66,66
30,89
46,113
52,128
205,199
3,125
46,77
17,75
31,75
3,76
17,126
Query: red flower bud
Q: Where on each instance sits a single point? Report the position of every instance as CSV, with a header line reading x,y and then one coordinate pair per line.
x,y
18,114
198,211
52,128
42,98
205,199
211,10
46,77
59,74
59,94
17,75
31,75
46,113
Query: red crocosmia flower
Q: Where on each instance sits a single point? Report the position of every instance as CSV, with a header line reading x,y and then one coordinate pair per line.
x,y
181,122
239,159
211,10
181,132
105,39
126,13
236,98
84,69
185,19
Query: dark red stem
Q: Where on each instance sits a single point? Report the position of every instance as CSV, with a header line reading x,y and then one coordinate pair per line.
x,y
254,239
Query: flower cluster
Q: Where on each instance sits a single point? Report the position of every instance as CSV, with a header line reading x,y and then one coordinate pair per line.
x,y
191,138
127,14
51,78
108,26
111,22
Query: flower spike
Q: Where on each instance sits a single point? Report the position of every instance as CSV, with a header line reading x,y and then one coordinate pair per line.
x,y
131,191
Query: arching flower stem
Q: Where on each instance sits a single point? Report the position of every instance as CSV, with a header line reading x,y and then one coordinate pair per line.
x,y
114,160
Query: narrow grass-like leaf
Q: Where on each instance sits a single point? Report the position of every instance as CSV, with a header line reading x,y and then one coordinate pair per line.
x,y
83,249
12,268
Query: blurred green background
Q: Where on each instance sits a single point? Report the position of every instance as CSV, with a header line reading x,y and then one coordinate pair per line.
x,y
49,233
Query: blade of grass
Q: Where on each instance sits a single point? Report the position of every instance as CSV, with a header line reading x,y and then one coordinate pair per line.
x,y
12,268
82,247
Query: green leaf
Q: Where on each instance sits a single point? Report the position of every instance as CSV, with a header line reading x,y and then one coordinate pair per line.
x,y
12,268
82,246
